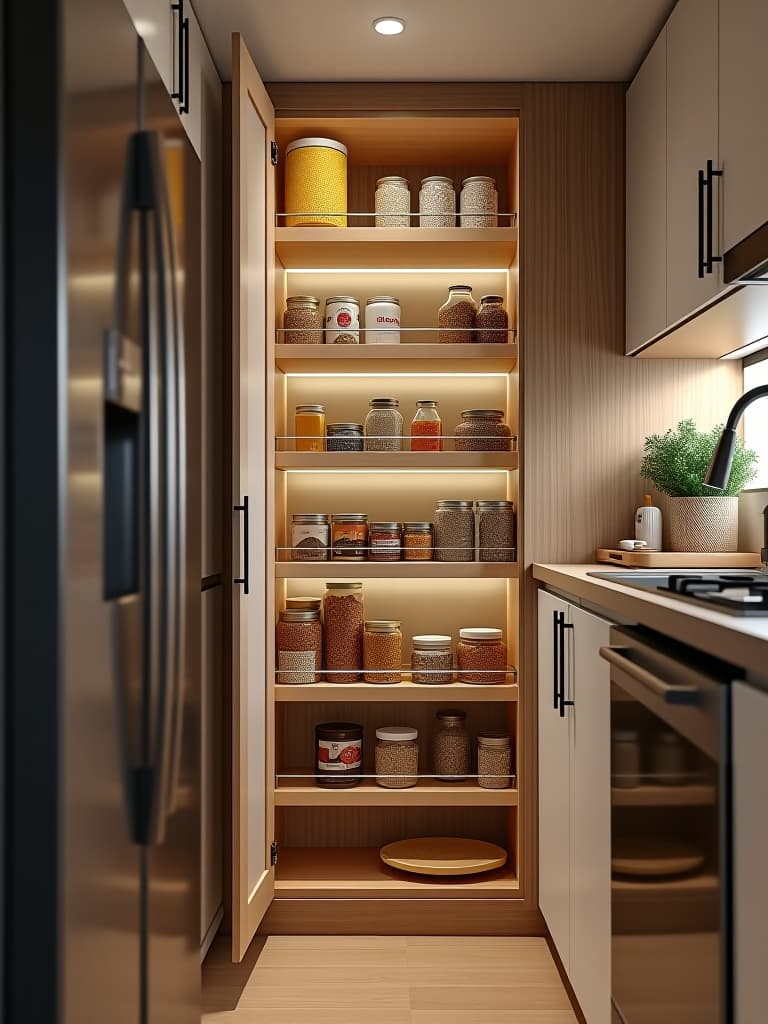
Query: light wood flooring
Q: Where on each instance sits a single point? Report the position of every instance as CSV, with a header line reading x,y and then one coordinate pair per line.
x,y
287,979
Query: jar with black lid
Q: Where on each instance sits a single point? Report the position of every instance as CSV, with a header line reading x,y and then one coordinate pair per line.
x,y
344,437
338,755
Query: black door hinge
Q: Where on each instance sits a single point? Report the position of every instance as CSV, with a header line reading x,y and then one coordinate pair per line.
x,y
274,153
273,854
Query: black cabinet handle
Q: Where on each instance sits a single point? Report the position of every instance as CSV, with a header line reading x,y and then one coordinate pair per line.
x,y
711,175
555,662
182,92
244,578
701,265
562,702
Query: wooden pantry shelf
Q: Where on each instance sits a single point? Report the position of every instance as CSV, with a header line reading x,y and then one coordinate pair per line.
x,y
697,795
398,570
396,460
342,873
414,357
462,693
388,248
302,792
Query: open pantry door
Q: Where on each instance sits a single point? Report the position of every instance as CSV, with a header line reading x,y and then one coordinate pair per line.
x,y
253,272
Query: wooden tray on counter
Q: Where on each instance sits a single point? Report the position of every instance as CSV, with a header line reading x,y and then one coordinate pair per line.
x,y
679,559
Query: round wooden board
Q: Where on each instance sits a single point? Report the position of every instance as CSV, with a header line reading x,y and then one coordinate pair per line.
x,y
441,855
654,858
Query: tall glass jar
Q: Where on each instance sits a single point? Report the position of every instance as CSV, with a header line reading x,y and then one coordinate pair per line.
x,y
494,760
343,619
302,321
481,655
479,202
309,428
496,531
384,426
492,321
482,430
426,428
392,202
437,202
454,527
451,747
382,651
299,646
456,317
432,658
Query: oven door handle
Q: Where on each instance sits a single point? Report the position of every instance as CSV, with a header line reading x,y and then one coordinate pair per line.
x,y
669,692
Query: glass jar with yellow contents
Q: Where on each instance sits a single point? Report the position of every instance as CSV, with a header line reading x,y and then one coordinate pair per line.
x,y
310,428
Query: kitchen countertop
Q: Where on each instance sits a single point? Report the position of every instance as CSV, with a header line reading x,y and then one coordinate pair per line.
x,y
741,641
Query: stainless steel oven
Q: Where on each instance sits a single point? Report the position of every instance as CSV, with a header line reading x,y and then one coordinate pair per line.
x,y
670,832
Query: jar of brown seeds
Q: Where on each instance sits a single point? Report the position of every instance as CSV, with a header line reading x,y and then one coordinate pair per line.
x,y
417,542
496,531
481,655
302,321
483,430
382,651
299,646
397,756
451,747
343,618
492,321
456,317
432,658
455,531
494,760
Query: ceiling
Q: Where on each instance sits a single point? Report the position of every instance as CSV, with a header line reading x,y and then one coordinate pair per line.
x,y
444,40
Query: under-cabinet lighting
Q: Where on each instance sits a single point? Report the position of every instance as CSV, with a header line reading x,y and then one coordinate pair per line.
x,y
389,26
372,470
397,270
747,350
385,373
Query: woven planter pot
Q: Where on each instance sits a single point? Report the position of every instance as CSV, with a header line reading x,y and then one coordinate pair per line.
x,y
704,524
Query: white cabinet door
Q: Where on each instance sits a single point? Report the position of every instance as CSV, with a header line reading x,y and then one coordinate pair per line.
x,y
554,799
156,23
743,121
691,142
750,851
590,878
646,186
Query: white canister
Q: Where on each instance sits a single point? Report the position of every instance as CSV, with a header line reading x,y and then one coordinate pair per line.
x,y
648,524
342,320
382,320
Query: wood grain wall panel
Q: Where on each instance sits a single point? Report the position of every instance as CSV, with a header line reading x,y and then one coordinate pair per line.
x,y
376,826
336,99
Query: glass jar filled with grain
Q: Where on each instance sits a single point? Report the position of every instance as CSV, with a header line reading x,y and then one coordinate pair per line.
x,y
456,316
426,427
392,202
482,430
310,537
496,531
437,202
432,658
344,437
299,646
343,619
494,760
479,202
455,531
384,426
481,655
417,542
382,651
492,321
451,747
397,756
302,321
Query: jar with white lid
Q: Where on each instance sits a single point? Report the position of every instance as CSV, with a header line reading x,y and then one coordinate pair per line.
x,y
382,320
432,658
342,320
392,202
397,756
437,202
479,202
625,759
481,655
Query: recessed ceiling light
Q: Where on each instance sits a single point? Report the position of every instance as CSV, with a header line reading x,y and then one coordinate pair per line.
x,y
389,26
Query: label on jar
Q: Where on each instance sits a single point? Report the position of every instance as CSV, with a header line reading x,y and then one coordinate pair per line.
x,y
339,755
378,542
349,540
309,535
342,324
382,323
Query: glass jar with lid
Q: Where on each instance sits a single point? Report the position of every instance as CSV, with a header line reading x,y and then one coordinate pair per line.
x,y
496,529
338,755
382,651
454,528
432,658
456,316
426,427
309,428
492,321
385,541
310,537
384,426
344,437
483,430
479,202
437,202
451,747
342,320
349,537
494,760
397,756
343,621
302,321
417,542
299,646
392,202
481,655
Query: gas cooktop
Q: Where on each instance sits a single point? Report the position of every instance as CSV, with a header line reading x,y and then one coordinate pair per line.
x,y
737,593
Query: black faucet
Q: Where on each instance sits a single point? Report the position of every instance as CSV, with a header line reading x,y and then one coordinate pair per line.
x,y
719,471
764,551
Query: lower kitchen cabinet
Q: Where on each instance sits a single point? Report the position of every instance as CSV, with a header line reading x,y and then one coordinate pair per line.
x,y
574,797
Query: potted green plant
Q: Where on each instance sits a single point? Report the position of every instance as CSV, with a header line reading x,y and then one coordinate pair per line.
x,y
676,463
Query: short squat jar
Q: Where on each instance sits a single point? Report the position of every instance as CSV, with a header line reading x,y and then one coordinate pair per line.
x,y
432,658
338,755
494,760
437,202
299,646
344,437
496,531
397,756
455,531
481,655
479,202
483,430
384,426
451,747
302,321
392,202
310,537
349,537
492,321
418,545
382,651
385,542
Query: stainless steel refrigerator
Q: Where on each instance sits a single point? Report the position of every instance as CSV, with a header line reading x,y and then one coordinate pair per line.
x,y
101,574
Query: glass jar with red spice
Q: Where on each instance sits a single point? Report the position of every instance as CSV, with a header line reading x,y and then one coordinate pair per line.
x,y
426,428
385,542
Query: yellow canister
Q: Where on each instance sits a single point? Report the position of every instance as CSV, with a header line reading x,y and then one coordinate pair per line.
x,y
316,183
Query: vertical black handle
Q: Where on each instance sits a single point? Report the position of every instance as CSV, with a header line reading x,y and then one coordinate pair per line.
x,y
184,106
711,175
555,634
244,578
562,702
182,91
701,265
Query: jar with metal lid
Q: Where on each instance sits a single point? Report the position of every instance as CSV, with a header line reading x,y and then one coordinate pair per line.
x,y
426,427
303,603
349,537
342,320
309,428
492,321
451,747
483,430
625,759
496,531
384,426
479,202
397,756
417,542
299,646
382,651
302,321
344,437
310,537
432,658
338,755
382,320
481,655
343,620
494,760
456,316
385,542
392,202
437,202
455,531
